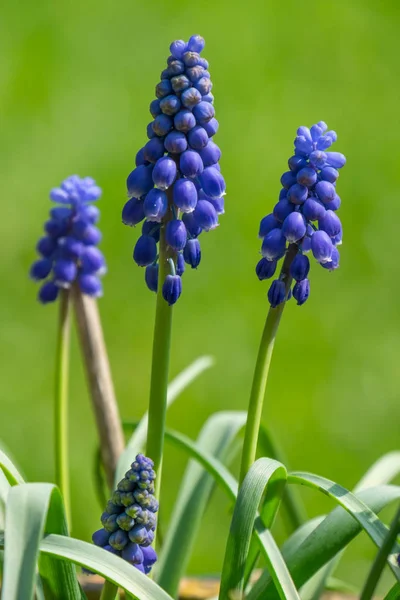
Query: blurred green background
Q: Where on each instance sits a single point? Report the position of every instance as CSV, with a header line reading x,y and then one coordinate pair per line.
x,y
76,79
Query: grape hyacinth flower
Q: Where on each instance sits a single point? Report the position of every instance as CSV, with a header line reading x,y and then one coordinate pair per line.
x,y
304,218
129,520
68,250
177,187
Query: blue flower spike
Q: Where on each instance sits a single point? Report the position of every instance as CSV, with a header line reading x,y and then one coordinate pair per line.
x,y
69,250
129,520
304,218
177,184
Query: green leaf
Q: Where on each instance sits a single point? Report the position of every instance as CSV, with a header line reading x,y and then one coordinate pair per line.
x,y
394,593
31,510
138,439
193,496
267,477
9,469
306,553
110,566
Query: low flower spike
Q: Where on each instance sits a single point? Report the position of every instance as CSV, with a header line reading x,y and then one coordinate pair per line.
x,y
305,215
129,520
177,181
68,251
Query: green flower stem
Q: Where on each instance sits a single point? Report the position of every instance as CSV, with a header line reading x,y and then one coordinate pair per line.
x,y
109,591
61,400
160,362
261,372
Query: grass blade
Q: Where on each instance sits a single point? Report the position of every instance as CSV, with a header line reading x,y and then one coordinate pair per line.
x,y
32,509
215,438
306,556
381,558
394,593
268,477
9,469
137,440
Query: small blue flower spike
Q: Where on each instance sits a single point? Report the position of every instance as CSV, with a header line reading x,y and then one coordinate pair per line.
x,y
129,520
68,250
304,218
177,182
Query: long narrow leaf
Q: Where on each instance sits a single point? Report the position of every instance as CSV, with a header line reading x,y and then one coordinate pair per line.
x,y
108,565
394,593
32,509
305,557
268,477
137,441
9,469
193,496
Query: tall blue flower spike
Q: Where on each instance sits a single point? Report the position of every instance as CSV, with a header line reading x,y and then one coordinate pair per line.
x,y
129,519
68,251
177,181
305,217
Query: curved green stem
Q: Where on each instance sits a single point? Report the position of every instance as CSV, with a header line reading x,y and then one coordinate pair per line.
x,y
61,401
261,372
109,591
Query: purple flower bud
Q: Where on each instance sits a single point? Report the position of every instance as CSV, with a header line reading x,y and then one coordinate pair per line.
x,y
48,292
326,191
133,212
169,105
161,125
322,125
330,223
138,534
334,263
337,239
175,67
59,195
150,131
203,62
301,291
164,88
176,234
180,264
46,246
276,293
155,108
316,132
212,182
61,213
145,251
321,246
91,236
204,85
185,195
217,203
274,245
294,227
265,268
175,142
56,228
151,277
191,59
90,285
184,120
191,164
92,261
303,145
313,209
140,159
305,132
335,159
205,215
140,181
41,269
318,159
164,172
133,554
335,204
282,209
90,213
211,127
307,176
191,97
288,179
332,134
154,149
192,253
155,205
196,43
204,112
195,73
100,537
300,267
198,138
329,174
178,48
172,288
296,163
180,83
151,228
119,539
191,225
297,193
210,154
65,272
324,142
267,224
208,98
